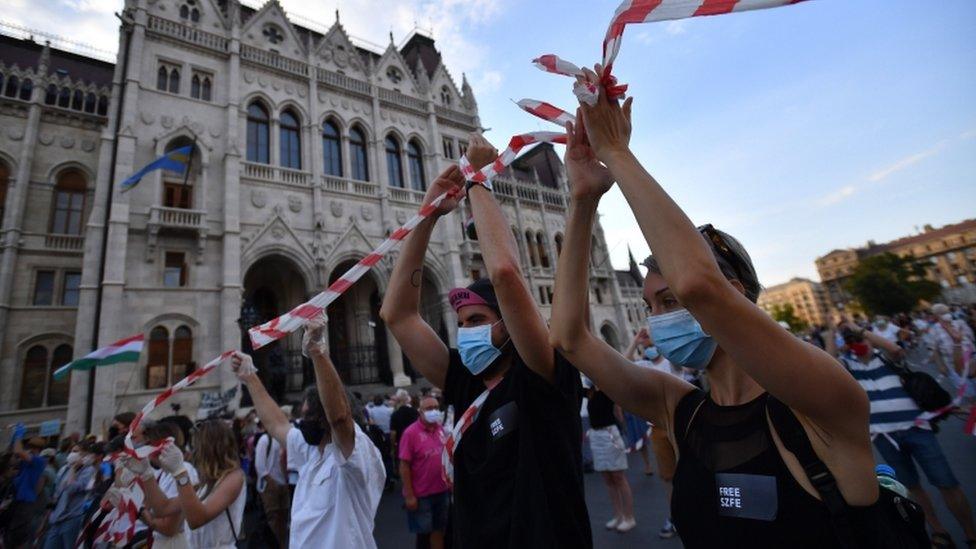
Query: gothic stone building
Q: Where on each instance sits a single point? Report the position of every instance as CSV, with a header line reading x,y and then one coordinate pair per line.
x,y
309,152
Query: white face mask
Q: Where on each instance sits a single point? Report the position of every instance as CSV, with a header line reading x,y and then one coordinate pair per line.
x,y
947,317
433,416
87,460
73,458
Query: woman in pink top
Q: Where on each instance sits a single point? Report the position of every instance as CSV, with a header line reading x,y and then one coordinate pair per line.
x,y
425,491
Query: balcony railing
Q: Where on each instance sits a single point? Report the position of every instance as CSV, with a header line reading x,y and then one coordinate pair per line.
x,y
273,60
277,174
176,218
406,195
455,116
529,193
186,33
401,100
342,81
350,186
64,242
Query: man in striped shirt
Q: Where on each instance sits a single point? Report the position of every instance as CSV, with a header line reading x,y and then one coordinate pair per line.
x,y
895,434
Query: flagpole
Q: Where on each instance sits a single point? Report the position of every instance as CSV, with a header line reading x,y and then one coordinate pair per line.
x,y
96,325
189,162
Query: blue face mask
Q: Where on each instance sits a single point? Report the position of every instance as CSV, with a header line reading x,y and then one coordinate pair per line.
x,y
651,353
477,352
681,340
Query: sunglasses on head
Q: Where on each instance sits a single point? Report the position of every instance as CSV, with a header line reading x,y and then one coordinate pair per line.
x,y
719,244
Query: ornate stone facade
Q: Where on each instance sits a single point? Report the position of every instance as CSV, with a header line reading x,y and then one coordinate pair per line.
x,y
309,151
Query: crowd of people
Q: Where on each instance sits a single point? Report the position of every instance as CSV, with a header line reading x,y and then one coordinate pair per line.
x,y
763,439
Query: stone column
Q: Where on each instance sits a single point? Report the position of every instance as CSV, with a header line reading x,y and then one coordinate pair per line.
x,y
13,219
115,323
393,351
380,174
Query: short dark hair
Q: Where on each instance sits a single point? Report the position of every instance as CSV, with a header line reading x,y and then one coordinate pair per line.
x,y
125,418
744,272
317,411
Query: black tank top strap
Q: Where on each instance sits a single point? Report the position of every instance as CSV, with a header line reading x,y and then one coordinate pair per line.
x,y
685,412
795,439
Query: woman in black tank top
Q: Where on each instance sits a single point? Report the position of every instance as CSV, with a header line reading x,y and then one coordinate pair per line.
x,y
734,486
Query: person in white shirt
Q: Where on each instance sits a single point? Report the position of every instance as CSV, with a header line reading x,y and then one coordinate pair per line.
x,y
214,509
272,484
340,470
951,342
380,413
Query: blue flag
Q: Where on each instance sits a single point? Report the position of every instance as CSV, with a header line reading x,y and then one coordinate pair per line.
x,y
175,160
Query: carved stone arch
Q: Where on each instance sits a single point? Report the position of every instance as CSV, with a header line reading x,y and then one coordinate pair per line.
x,y
30,341
10,162
204,148
52,174
303,263
611,334
362,124
264,98
336,117
438,273
425,148
303,116
381,279
396,133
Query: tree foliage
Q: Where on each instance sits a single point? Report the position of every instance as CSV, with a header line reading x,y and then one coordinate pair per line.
x,y
888,284
785,313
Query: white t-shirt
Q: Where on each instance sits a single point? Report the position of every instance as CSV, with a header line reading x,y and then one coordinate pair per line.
x,y
267,462
167,484
336,497
381,416
940,341
890,332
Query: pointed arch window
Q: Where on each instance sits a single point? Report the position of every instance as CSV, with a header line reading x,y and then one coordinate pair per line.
x,y
170,359
157,363
90,102
69,202
331,149
13,85
359,157
102,105
26,87
35,372
415,159
290,141
4,183
200,86
174,80
51,97
64,97
162,78
543,254
78,100
531,249
394,168
446,96
258,133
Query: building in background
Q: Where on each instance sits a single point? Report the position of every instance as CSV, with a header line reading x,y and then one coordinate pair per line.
x,y
949,253
808,299
310,150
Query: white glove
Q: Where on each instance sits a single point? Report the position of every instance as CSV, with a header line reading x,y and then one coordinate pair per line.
x,y
315,340
138,466
171,458
242,365
113,496
123,476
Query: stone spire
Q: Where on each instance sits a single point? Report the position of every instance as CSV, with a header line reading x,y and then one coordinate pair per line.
x,y
467,94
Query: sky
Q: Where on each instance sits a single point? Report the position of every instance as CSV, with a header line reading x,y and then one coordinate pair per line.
x,y
798,130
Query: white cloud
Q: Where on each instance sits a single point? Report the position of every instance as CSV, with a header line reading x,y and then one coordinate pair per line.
x,y
839,195
490,81
674,28
905,162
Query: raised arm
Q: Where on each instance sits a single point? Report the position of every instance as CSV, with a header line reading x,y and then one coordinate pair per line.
x,y
401,306
331,392
199,512
800,375
275,421
641,390
523,321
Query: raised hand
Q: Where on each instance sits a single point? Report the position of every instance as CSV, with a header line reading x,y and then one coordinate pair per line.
x,y
643,338
171,458
607,123
450,178
314,341
138,466
588,177
480,152
243,367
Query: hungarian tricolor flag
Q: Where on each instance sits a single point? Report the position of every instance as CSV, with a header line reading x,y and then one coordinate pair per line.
x,y
123,350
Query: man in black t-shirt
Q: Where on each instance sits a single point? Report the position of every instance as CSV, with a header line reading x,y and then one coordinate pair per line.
x,y
517,468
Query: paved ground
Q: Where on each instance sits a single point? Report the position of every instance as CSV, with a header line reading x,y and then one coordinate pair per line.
x,y
651,508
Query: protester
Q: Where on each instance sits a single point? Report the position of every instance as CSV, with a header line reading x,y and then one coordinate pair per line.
x,y
120,425
610,458
517,457
404,416
380,413
951,343
72,485
272,484
897,436
213,508
27,484
340,471
426,494
701,289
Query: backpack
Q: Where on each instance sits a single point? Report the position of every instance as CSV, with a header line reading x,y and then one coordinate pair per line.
x,y
920,386
901,521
